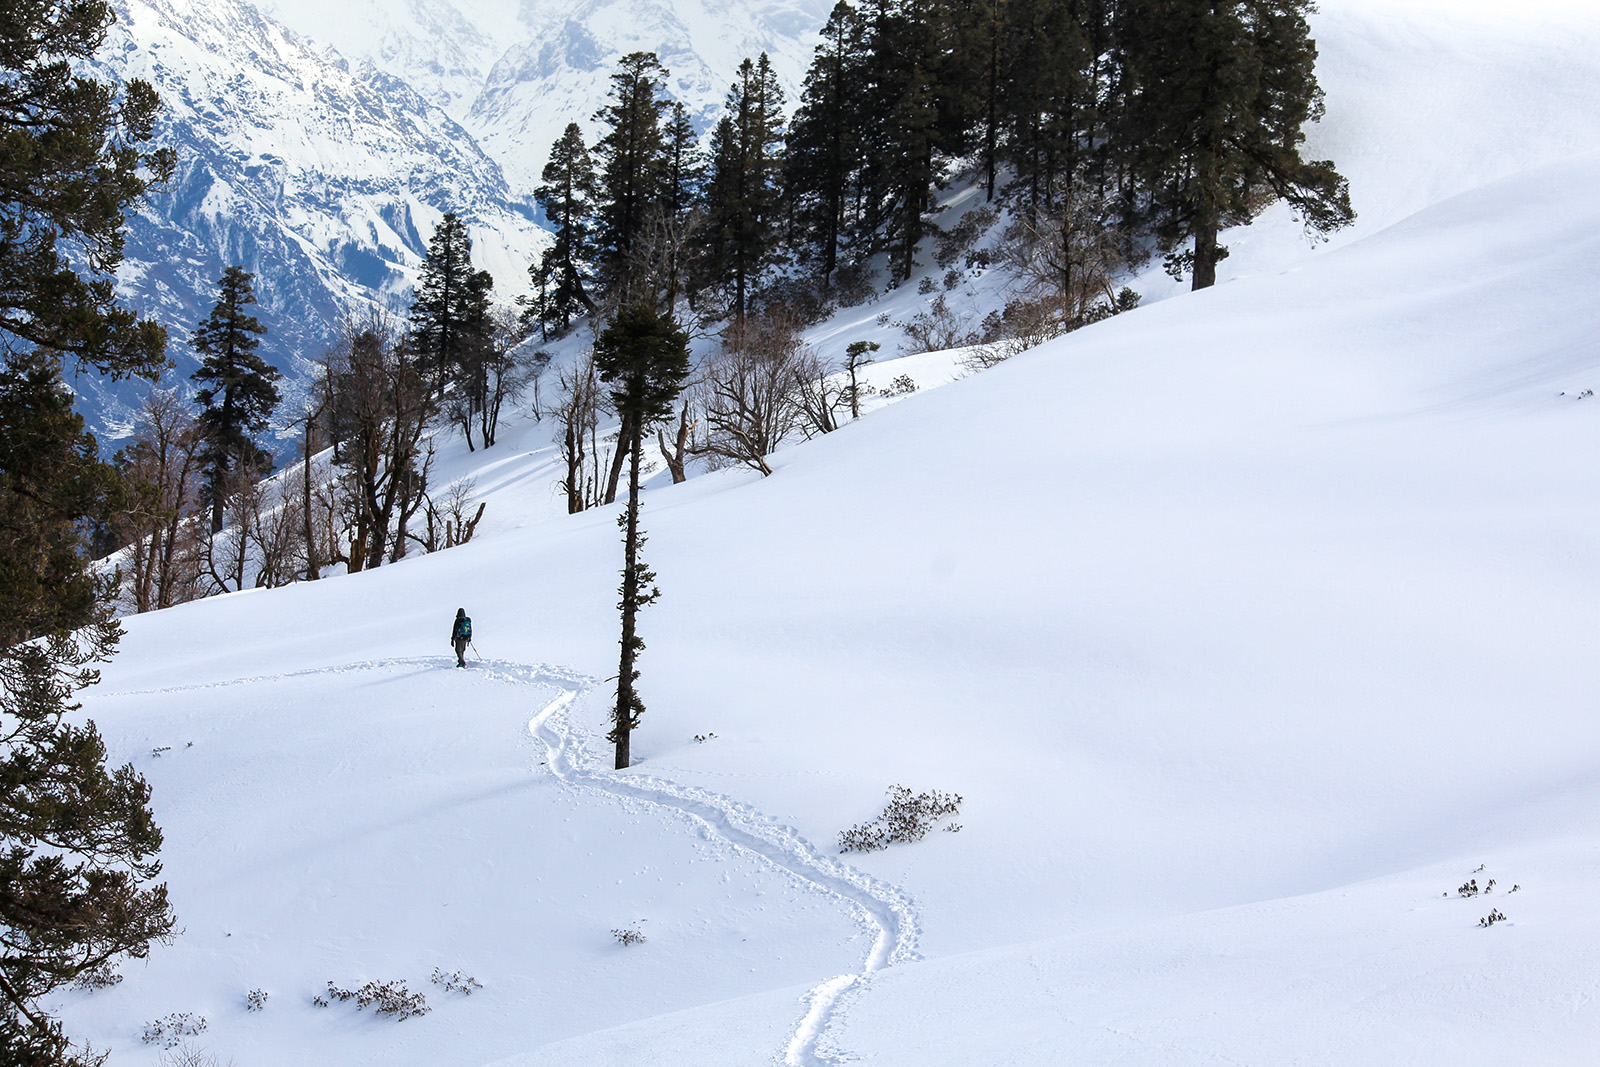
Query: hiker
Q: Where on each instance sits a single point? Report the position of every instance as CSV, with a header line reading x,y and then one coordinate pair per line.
x,y
461,636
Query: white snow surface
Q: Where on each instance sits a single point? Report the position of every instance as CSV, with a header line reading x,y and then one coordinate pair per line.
x,y
1248,625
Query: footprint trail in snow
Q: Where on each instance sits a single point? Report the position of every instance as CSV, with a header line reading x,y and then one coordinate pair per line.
x,y
883,907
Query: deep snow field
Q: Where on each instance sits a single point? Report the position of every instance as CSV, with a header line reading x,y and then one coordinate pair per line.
x,y
1248,625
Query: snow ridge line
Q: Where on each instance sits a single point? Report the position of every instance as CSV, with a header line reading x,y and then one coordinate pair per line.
x,y
885,908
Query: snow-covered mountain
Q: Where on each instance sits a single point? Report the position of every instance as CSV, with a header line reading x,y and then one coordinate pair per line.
x,y
515,72
321,176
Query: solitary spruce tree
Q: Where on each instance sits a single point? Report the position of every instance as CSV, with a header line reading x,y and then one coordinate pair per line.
x,y
240,390
644,356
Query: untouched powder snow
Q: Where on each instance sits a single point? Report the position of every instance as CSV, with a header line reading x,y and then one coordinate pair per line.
x,y
1249,625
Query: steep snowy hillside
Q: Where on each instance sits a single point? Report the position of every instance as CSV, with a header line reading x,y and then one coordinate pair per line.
x,y
1249,626
323,179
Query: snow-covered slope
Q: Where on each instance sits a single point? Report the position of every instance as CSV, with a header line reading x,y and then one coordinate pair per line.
x,y
1249,625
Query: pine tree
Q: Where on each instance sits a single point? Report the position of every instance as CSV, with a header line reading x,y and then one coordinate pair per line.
x,y
568,199
823,154
644,357
684,180
74,162
743,195
240,394
633,167
451,325
77,842
1220,92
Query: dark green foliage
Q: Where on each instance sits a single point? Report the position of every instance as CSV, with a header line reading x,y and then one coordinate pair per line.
x,y
239,393
644,357
825,145
452,331
72,162
567,196
743,194
1218,96
77,843
633,170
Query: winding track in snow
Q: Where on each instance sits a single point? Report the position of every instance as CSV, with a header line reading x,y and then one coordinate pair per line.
x,y
884,908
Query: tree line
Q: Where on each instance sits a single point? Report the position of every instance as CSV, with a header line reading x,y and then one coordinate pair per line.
x,y
1107,129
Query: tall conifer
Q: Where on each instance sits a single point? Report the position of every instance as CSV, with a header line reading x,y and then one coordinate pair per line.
x,y
633,167
1220,93
743,196
568,199
239,390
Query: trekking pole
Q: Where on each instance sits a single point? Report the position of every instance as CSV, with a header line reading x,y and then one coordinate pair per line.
x,y
475,651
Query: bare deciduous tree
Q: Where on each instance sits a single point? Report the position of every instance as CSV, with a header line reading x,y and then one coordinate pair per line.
x,y
747,396
162,468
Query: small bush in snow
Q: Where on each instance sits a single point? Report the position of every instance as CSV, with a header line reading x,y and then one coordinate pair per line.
x,y
1492,918
907,817
384,998
255,1000
703,738
925,286
169,1031
101,977
900,386
628,936
456,982
1468,889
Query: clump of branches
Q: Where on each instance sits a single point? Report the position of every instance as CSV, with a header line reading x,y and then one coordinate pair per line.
x,y
906,817
390,999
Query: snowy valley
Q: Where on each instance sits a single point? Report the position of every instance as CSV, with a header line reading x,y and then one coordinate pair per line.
x,y
1252,627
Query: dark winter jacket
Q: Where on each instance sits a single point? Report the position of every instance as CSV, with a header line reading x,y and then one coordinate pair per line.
x,y
461,626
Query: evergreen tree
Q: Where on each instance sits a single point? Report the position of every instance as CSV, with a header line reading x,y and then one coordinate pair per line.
x,y
633,168
684,181
77,842
1220,92
823,154
239,394
644,357
73,162
451,324
743,196
568,199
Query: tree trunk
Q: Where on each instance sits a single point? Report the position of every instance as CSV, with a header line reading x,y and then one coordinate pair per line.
x,y
625,433
627,699
1205,255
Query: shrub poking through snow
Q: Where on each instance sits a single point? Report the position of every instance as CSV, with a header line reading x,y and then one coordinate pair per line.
x,y
101,977
900,385
907,817
1490,919
384,998
1468,889
169,1031
456,982
255,1000
628,936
